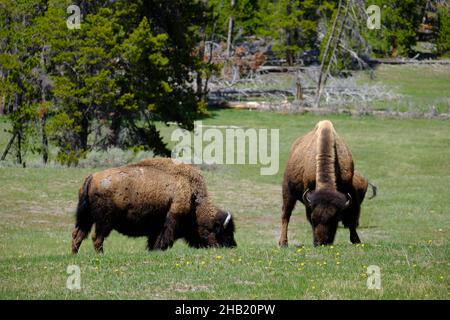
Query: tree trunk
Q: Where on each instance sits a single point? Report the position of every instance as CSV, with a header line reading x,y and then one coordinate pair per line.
x,y
230,29
44,140
394,52
325,56
201,54
19,147
289,53
84,132
289,58
341,29
298,90
2,105
116,122
8,146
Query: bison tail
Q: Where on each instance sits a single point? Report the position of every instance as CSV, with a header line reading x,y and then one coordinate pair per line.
x,y
374,190
84,219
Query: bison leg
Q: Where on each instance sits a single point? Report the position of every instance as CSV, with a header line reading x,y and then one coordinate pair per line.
x,y
101,232
350,221
288,206
78,236
151,240
354,235
166,238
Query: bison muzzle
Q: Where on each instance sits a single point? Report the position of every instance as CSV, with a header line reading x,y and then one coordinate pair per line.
x,y
156,198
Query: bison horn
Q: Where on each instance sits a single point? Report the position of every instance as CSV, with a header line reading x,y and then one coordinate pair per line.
x,y
349,200
305,197
227,220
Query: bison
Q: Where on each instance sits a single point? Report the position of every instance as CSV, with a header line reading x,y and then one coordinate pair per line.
x,y
320,174
156,198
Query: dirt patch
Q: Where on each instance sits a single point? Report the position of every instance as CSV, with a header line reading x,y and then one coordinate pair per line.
x,y
182,287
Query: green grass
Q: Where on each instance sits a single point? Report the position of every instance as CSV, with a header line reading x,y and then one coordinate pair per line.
x,y
421,87
405,230
418,87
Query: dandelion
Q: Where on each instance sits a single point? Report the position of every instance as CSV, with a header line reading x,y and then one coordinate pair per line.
x,y
430,241
302,264
219,257
299,250
338,253
313,287
239,260
324,263
331,247
338,262
362,245
202,263
188,262
441,277
414,265
177,265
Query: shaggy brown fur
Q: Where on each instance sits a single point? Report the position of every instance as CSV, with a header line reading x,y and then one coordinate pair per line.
x,y
156,198
320,174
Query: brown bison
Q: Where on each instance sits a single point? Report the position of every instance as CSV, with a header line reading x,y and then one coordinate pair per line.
x,y
320,174
156,198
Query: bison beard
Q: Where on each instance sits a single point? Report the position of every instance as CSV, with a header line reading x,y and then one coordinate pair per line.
x,y
320,174
155,198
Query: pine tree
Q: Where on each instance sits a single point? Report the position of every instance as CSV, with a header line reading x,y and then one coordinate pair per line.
x,y
129,65
23,81
399,23
292,24
443,31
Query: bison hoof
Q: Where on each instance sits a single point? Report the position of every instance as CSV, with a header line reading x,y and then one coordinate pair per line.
x,y
283,244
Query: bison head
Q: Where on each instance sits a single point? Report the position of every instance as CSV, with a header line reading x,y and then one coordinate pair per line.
x,y
326,209
223,229
215,231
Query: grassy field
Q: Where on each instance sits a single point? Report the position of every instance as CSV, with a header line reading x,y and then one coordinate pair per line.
x,y
417,88
421,87
405,230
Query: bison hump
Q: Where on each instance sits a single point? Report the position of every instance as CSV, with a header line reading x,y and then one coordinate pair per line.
x,y
344,160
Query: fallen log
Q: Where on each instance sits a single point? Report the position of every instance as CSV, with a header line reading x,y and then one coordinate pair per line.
x,y
406,61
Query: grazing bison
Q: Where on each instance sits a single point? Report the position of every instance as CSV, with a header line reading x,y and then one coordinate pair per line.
x,y
155,198
320,174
